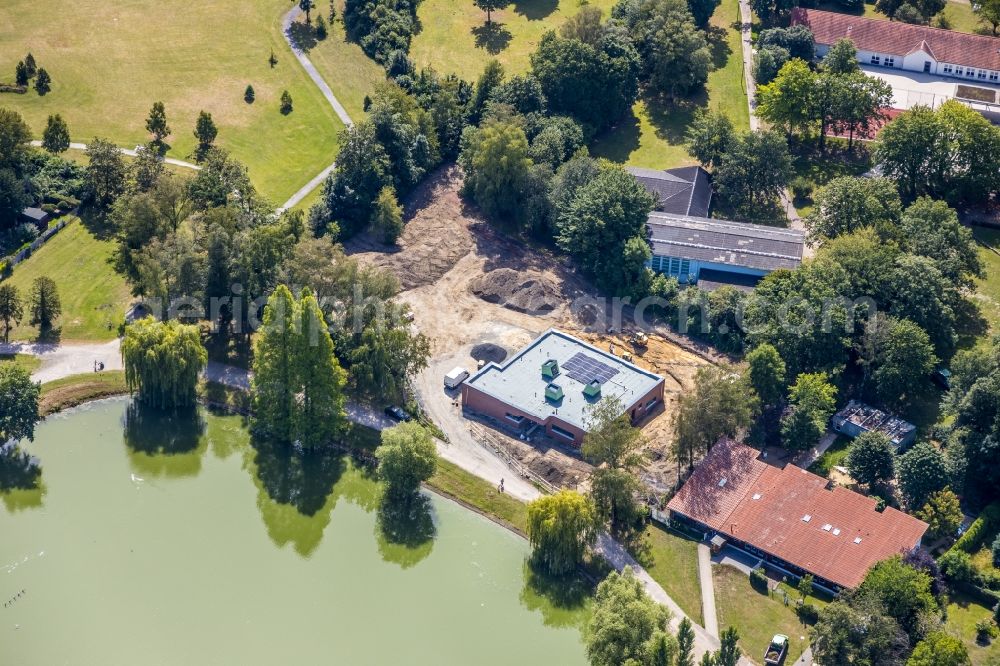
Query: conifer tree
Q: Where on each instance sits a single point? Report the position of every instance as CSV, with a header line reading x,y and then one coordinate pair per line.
x,y
43,82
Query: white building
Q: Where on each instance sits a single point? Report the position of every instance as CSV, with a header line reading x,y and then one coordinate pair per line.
x,y
914,48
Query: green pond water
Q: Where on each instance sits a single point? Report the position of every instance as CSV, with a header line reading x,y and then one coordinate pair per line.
x,y
176,541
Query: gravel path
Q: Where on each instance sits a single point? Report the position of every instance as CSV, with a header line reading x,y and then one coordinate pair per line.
x,y
60,361
338,108
707,589
132,153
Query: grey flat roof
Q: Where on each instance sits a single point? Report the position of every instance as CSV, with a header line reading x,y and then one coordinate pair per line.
x,y
719,241
518,382
34,213
680,191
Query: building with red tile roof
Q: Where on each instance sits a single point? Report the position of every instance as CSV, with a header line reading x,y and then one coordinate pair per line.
x,y
915,48
792,518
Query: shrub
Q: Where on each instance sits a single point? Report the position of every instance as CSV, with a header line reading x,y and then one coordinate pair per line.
x,y
758,579
801,187
985,630
980,530
9,88
63,205
808,614
49,208
995,548
957,567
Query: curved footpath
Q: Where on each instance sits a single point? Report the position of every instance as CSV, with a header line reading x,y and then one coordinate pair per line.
x,y
132,153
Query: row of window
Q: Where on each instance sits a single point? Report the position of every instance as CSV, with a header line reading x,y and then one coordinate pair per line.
x,y
888,61
971,72
678,268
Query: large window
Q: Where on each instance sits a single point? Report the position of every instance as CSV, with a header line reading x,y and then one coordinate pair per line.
x,y
959,71
994,76
948,69
876,59
890,61
981,74
673,266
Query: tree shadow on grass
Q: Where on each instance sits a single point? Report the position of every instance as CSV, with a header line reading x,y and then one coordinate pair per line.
x,y
49,335
302,35
406,530
494,37
718,45
97,223
535,10
558,598
618,143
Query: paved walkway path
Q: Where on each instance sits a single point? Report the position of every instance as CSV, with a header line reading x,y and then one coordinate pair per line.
x,y
812,455
707,590
131,152
338,108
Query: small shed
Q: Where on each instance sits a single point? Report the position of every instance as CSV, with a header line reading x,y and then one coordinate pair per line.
x,y
717,543
35,215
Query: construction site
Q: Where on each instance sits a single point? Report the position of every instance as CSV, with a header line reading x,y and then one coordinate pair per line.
x,y
480,297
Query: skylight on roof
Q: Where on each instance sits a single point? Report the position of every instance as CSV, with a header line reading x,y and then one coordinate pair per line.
x,y
857,539
827,527
756,496
806,518
836,531
722,482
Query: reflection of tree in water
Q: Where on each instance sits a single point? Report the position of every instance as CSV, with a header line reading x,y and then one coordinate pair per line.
x,y
164,442
20,487
559,599
296,491
406,530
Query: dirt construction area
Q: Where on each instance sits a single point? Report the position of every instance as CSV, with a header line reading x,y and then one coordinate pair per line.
x,y
471,289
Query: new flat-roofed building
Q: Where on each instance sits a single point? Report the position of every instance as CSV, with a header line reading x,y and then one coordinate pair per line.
x,y
684,246
792,518
554,382
858,418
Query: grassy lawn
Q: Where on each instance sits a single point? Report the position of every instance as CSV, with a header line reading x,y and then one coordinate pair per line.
x,y
94,297
26,361
77,389
343,65
963,613
833,456
672,560
481,495
988,289
756,616
818,170
109,61
453,36
653,136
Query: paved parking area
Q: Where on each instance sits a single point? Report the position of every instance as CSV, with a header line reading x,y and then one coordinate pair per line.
x,y
913,88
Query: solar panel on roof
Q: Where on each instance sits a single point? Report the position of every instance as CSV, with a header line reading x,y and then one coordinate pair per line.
x,y
586,369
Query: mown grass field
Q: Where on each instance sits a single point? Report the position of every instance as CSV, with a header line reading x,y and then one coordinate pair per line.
x,y
343,65
987,294
453,481
653,136
109,61
75,390
94,297
963,614
672,561
25,361
758,617
453,36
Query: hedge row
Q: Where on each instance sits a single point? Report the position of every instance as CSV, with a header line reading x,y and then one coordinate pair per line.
x,y
982,528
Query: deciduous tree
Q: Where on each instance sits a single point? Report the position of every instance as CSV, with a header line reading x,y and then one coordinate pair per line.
x,y
906,357
721,405
848,203
625,622
561,527
922,471
939,649
709,137
18,403
495,160
490,6
205,131
387,216
813,399
942,513
871,459
107,173
406,458
675,54
767,374
842,58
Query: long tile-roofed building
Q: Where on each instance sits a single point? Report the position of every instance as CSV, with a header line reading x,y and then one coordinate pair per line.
x,y
554,382
791,516
898,45
682,246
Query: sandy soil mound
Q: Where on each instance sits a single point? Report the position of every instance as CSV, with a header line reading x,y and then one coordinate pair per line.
x,y
528,292
435,237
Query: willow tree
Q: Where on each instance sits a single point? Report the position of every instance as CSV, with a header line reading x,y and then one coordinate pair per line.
x,y
163,361
298,384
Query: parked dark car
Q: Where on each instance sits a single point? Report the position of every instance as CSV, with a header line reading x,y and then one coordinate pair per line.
x,y
397,413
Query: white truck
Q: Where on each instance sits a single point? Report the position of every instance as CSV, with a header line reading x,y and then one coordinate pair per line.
x,y
776,651
454,378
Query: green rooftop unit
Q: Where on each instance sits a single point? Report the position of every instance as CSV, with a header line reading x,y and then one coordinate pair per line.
x,y
592,390
550,369
553,392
